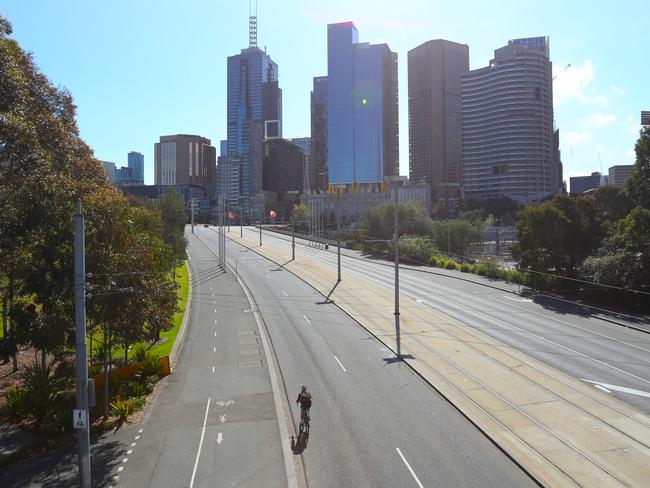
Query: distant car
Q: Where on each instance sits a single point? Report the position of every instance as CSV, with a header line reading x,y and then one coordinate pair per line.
x,y
206,225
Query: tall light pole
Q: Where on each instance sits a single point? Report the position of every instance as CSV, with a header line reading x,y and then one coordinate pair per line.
x,y
81,417
338,228
192,213
395,181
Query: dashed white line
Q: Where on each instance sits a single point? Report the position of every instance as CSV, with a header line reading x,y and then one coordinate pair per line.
x,y
198,453
417,480
129,451
214,302
340,364
219,438
213,369
268,276
308,321
139,431
137,437
285,293
517,299
125,460
133,444
215,321
215,310
120,469
214,349
215,334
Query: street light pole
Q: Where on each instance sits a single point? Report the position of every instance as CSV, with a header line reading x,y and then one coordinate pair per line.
x,y
396,181
81,378
192,213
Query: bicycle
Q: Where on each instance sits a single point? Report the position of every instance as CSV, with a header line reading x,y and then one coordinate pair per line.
x,y
303,428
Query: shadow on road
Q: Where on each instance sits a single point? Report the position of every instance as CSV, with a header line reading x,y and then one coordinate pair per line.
x,y
299,444
59,468
395,359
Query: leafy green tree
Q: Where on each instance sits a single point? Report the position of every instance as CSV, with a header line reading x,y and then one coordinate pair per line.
x,y
380,221
174,218
300,215
637,184
612,202
455,236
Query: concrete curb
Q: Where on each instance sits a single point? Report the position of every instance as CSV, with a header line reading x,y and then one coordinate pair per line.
x,y
180,338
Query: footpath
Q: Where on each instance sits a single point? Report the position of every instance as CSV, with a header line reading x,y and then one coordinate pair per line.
x,y
561,431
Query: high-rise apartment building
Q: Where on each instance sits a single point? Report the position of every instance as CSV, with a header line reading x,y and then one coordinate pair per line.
x,y
362,125
508,132
110,170
305,144
184,159
284,164
435,123
135,162
254,112
317,165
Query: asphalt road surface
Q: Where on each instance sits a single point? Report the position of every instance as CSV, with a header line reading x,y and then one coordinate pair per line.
x,y
374,422
610,357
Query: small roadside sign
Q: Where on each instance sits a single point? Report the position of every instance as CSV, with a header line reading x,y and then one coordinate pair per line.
x,y
79,419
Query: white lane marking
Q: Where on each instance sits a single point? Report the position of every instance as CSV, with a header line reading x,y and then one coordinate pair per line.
x,y
213,369
268,276
622,389
120,469
137,437
129,451
219,438
602,388
188,256
578,327
528,300
342,367
417,480
215,321
139,431
198,453
125,460
214,302
215,334
116,477
133,444
214,349
222,418
285,293
308,321
215,310
418,300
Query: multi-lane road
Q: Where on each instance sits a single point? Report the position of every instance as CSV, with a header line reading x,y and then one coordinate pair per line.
x,y
612,358
374,421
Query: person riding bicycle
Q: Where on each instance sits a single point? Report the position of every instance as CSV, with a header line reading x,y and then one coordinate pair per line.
x,y
304,398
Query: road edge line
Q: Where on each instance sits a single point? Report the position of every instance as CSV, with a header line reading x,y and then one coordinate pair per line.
x,y
292,479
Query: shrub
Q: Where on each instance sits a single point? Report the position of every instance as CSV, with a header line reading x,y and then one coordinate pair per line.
x,y
149,366
43,390
137,403
416,249
450,265
465,268
122,408
16,402
139,353
137,389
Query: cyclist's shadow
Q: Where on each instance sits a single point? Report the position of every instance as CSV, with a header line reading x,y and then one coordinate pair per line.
x,y
299,444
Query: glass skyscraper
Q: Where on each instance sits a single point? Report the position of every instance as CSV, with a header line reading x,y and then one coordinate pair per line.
x,y
362,125
254,113
135,163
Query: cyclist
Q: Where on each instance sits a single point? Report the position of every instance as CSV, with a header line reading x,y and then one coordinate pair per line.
x,y
304,398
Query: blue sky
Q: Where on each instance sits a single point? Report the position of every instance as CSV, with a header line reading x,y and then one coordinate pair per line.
x,y
139,69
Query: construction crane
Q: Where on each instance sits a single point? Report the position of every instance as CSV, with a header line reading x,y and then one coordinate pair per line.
x,y
561,71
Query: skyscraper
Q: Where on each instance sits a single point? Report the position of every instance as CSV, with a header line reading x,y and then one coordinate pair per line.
x,y
254,112
135,163
317,165
362,125
508,134
435,124
184,159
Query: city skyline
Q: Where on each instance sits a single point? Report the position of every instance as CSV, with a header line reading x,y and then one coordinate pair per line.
x,y
597,101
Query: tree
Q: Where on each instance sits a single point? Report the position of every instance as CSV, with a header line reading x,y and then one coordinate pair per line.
x,y
557,235
300,216
172,212
637,184
455,236
612,202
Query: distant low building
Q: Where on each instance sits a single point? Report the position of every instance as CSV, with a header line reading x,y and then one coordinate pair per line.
x,y
581,184
199,193
645,117
619,173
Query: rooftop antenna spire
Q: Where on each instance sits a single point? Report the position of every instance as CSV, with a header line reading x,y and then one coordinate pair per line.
x,y
252,24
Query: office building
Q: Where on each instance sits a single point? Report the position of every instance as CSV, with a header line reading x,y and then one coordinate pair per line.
x,y
110,169
305,145
254,112
582,184
135,161
317,164
362,125
228,180
645,117
184,159
435,124
619,173
284,165
508,133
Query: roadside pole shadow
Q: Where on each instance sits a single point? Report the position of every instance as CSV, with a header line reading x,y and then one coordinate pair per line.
x,y
299,444
281,267
395,359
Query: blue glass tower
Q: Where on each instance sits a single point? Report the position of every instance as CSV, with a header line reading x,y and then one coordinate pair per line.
x,y
135,164
254,112
362,126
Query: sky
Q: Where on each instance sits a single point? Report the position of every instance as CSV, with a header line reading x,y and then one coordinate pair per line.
x,y
139,69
